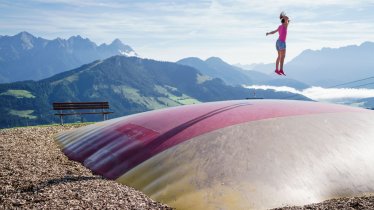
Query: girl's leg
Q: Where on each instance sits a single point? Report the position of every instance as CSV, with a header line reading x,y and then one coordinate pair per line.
x,y
278,60
282,55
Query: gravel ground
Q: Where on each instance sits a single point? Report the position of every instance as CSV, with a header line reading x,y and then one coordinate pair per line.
x,y
35,174
364,202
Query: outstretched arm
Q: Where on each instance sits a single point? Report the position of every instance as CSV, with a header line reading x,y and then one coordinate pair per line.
x,y
272,32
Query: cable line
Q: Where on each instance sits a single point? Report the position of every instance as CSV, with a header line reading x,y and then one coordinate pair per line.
x,y
371,83
351,82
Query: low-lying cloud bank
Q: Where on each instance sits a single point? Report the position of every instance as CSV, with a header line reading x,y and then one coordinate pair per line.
x,y
323,94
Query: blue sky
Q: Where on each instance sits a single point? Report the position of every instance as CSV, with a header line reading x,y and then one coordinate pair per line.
x,y
170,30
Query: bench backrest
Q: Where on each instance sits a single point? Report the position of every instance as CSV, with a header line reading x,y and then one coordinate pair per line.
x,y
80,105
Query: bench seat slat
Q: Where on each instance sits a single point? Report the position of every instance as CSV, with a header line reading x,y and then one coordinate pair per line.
x,y
80,105
79,113
85,107
80,102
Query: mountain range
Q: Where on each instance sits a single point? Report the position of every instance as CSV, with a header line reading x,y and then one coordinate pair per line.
x,y
328,66
129,84
109,72
26,57
365,102
217,68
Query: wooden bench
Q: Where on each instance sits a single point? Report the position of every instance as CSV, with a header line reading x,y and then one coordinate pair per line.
x,y
83,107
253,98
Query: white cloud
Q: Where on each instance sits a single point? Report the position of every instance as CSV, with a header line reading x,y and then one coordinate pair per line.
x,y
323,94
83,3
334,94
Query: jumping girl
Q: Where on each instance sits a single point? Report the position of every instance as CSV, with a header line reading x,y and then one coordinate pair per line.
x,y
281,43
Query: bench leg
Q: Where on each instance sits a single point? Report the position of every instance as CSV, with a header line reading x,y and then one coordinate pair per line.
x,y
61,120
